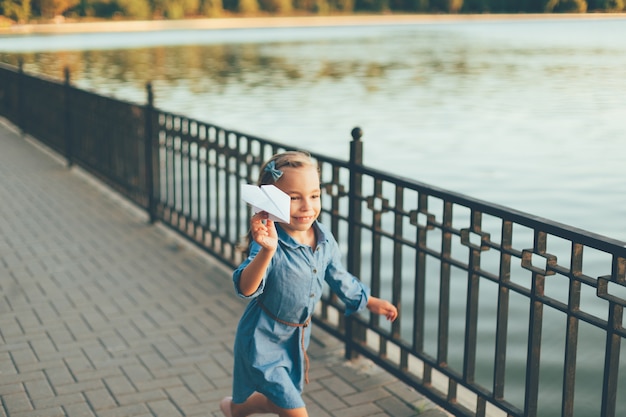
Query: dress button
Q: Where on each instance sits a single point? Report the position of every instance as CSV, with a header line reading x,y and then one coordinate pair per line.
x,y
312,295
315,270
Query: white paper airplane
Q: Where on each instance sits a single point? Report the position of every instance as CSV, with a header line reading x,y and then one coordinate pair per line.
x,y
268,198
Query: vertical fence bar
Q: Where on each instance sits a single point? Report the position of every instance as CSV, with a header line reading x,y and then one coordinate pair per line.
x,y
149,154
444,285
419,295
571,338
502,325
376,256
207,191
613,345
396,283
354,228
228,195
20,96
69,140
535,324
198,225
471,311
611,362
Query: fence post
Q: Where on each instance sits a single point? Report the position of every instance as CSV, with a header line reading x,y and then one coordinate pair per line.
x,y
149,154
69,140
354,230
19,119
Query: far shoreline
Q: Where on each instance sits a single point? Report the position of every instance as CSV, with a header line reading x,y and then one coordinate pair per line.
x,y
282,22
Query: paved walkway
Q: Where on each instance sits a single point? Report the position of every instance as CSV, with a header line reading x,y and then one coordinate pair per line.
x,y
102,314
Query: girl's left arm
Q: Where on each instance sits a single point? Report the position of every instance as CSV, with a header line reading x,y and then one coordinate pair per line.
x,y
383,307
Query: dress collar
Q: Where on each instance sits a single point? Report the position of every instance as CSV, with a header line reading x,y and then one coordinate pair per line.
x,y
289,241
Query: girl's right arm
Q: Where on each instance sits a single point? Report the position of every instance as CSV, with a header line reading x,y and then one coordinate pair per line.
x,y
263,232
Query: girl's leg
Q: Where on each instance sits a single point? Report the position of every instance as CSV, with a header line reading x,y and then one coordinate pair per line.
x,y
259,403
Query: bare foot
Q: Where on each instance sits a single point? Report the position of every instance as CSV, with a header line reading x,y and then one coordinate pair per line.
x,y
225,406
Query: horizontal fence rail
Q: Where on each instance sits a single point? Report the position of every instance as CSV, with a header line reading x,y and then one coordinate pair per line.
x,y
499,309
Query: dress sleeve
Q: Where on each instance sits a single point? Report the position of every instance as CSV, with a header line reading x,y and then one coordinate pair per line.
x,y
254,249
348,288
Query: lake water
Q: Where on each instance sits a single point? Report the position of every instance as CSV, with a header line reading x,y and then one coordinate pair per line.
x,y
524,113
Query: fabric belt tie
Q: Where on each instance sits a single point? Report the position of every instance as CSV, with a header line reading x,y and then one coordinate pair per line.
x,y
288,323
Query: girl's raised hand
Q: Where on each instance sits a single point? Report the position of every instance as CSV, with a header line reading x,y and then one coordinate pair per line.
x,y
263,231
383,307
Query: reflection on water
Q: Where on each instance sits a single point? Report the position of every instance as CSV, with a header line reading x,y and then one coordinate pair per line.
x,y
527,114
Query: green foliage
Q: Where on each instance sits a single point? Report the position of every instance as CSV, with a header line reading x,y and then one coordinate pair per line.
x,y
566,6
446,6
372,5
174,10
136,9
409,5
211,8
478,6
346,6
454,6
18,10
25,10
248,7
421,5
324,6
51,8
607,5
178,9
95,8
276,6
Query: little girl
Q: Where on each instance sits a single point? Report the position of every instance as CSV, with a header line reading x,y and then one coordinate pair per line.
x,y
284,276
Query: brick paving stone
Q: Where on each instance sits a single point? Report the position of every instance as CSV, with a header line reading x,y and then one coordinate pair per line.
x,y
338,386
78,410
38,389
164,408
100,399
59,400
10,388
197,383
141,397
328,400
6,364
59,375
42,412
133,410
16,402
21,378
181,396
119,385
159,383
105,315
361,410
368,396
434,412
79,387
396,407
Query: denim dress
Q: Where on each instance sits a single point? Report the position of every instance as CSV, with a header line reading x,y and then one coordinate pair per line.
x,y
269,356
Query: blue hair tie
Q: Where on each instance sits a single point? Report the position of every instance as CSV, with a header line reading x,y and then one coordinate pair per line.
x,y
271,168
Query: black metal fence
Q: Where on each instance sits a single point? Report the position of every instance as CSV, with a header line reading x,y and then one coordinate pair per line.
x,y
502,313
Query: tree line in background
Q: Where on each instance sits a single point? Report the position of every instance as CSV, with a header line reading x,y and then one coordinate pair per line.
x,y
23,11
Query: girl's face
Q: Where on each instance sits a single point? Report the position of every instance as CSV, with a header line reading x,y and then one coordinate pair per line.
x,y
303,186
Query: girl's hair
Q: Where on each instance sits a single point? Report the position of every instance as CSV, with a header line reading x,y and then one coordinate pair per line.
x,y
293,159
272,168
